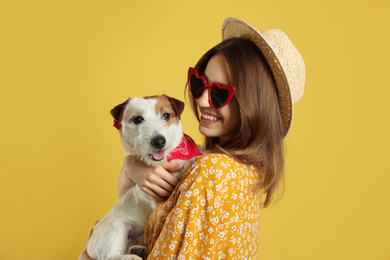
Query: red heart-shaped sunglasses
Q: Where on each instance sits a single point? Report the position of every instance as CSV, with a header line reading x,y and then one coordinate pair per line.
x,y
219,95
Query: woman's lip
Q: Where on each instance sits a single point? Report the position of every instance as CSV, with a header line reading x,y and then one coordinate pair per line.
x,y
209,114
205,121
207,118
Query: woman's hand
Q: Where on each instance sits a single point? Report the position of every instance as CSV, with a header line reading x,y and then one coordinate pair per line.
x,y
157,182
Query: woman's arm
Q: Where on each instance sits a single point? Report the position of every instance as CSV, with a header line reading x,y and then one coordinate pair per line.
x,y
158,182
213,214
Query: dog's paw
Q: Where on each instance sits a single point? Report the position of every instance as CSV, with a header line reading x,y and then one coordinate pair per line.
x,y
138,250
124,257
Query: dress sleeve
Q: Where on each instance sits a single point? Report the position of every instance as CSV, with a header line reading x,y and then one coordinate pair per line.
x,y
215,213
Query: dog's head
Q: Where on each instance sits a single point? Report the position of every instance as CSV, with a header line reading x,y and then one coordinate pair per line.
x,y
150,127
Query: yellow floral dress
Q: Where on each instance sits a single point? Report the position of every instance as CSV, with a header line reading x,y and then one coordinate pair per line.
x,y
213,213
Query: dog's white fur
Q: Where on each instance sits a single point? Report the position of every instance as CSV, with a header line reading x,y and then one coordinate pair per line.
x,y
123,225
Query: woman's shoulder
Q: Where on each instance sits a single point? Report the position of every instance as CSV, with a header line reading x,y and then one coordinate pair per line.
x,y
220,160
214,158
218,174
222,164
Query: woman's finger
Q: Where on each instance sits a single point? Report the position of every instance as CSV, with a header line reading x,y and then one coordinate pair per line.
x,y
165,181
172,167
152,193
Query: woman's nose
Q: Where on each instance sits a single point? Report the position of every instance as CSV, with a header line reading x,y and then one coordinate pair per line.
x,y
203,101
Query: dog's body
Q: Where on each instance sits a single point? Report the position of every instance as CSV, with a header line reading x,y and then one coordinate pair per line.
x,y
151,129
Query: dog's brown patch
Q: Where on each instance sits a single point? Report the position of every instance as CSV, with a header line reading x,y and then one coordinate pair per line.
x,y
164,106
117,112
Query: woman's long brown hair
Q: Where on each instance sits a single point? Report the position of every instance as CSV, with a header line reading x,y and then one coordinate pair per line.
x,y
259,141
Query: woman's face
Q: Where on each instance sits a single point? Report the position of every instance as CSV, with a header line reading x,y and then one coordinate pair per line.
x,y
223,122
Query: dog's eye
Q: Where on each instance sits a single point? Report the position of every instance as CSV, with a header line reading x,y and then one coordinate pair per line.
x,y
138,120
166,116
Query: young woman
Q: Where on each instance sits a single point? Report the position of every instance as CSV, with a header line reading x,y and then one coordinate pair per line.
x,y
242,92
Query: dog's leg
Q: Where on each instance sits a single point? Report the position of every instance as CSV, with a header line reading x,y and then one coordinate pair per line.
x,y
109,241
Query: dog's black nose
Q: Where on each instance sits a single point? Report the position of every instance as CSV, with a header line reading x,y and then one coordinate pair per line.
x,y
158,142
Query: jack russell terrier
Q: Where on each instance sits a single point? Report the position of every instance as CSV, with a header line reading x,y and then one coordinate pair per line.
x,y
150,129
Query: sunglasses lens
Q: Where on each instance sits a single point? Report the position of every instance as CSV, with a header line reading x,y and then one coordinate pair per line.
x,y
218,96
196,86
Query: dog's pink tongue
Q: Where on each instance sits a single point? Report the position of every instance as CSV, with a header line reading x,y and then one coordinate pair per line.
x,y
158,156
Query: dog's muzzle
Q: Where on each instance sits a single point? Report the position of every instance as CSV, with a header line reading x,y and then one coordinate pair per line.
x,y
158,143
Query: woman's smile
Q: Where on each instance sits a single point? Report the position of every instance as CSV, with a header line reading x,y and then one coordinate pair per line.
x,y
209,118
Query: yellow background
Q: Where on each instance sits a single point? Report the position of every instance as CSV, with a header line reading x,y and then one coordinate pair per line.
x,y
65,64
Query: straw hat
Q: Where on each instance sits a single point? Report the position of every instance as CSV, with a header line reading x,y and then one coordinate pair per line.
x,y
286,62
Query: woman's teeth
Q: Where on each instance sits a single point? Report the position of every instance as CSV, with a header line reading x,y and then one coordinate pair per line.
x,y
209,117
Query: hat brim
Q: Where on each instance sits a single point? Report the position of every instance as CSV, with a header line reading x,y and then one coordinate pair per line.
x,y
234,27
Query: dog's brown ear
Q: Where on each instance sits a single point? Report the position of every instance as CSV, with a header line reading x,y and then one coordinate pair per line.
x,y
177,105
117,113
